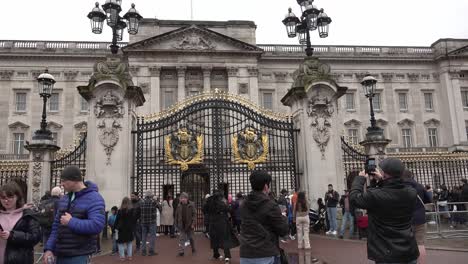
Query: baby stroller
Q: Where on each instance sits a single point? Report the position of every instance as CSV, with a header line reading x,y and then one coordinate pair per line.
x,y
317,220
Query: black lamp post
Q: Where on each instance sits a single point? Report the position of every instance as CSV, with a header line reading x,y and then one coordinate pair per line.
x,y
311,19
112,8
368,84
46,84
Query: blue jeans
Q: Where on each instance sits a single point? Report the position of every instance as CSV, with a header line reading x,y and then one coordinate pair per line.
x,y
148,230
347,217
114,243
74,260
331,211
128,246
268,260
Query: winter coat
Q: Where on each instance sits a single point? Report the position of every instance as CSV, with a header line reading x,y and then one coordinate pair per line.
x,y
419,215
261,225
136,205
79,237
390,208
236,210
191,216
332,201
23,237
220,229
167,213
125,225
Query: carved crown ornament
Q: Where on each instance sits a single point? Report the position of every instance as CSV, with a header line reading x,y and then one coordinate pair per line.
x,y
109,110
312,70
320,109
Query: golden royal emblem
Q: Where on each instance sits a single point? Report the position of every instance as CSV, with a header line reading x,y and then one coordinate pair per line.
x,y
250,147
184,148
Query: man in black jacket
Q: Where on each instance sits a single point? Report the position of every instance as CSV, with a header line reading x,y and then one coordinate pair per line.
x,y
331,199
390,206
262,223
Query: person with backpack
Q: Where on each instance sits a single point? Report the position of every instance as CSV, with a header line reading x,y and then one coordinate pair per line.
x,y
47,210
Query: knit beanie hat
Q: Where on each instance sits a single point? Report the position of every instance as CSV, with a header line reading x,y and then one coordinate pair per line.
x,y
184,195
71,173
393,167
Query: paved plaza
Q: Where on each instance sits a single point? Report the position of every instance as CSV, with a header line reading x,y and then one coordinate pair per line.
x,y
327,250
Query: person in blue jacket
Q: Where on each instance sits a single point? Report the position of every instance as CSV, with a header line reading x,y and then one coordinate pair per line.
x,y
79,219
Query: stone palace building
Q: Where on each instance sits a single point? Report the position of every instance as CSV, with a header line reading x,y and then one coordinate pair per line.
x,y
422,99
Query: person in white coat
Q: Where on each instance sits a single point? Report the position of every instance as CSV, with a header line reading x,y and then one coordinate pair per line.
x,y
167,216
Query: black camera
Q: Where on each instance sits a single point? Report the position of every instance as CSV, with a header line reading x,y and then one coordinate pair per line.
x,y
370,166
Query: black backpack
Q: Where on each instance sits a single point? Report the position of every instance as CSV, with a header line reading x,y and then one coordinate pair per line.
x,y
46,213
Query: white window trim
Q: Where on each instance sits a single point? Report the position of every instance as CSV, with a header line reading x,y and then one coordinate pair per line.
x,y
403,141
353,94
405,109
58,103
262,93
436,137
380,93
15,95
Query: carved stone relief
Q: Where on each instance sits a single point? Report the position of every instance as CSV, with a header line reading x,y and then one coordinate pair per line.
x,y
194,42
320,109
36,178
109,109
70,75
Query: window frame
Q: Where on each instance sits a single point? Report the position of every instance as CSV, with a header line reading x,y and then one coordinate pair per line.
x,y
378,94
404,96
353,101
83,102
433,138
165,97
25,102
49,103
464,98
18,145
271,93
353,138
431,100
405,137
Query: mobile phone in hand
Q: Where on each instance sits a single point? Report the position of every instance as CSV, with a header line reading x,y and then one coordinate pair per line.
x,y
1,228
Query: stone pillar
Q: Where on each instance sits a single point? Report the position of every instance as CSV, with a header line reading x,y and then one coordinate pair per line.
x,y
155,86
113,100
313,99
253,84
207,78
41,153
181,83
232,79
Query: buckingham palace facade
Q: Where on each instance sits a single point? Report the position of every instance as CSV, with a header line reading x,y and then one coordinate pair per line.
x,y
421,101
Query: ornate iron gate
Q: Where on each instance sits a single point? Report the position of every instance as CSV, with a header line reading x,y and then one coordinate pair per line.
x,y
76,155
354,161
212,141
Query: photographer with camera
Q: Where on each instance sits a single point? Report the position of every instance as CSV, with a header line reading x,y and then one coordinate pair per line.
x,y
390,206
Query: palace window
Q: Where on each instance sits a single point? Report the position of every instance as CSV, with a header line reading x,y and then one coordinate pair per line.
x,y
464,95
20,102
350,101
428,101
433,138
353,135
376,102
267,100
168,99
407,138
55,137
54,102
403,101
18,143
84,106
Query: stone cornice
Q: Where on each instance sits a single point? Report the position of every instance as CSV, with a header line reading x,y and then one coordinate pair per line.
x,y
155,71
232,71
6,74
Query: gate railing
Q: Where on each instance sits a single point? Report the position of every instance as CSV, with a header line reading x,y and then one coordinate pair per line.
x,y
14,170
436,168
74,155
354,160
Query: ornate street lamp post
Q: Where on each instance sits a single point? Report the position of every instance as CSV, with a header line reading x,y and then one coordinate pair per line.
x,y
46,84
112,8
369,83
311,19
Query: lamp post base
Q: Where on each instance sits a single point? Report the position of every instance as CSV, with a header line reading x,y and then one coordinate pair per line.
x,y
42,135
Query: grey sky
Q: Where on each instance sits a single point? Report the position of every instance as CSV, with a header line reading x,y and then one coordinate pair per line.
x,y
357,22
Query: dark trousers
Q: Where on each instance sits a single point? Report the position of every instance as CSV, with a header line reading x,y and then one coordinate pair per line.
x,y
137,235
227,253
168,230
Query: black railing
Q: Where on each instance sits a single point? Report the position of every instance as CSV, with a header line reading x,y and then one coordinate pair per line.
x,y
76,157
353,162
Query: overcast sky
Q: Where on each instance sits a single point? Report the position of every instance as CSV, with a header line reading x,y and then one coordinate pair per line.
x,y
357,22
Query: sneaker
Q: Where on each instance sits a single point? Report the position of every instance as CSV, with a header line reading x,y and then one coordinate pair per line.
x,y
226,260
334,233
328,232
292,237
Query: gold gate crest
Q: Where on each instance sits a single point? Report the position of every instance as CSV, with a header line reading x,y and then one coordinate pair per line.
x,y
184,148
250,146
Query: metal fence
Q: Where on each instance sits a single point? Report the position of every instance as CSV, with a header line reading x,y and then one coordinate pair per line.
x,y
447,220
354,160
15,170
74,155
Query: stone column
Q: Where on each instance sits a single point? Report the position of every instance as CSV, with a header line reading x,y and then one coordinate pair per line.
x,y
41,153
181,83
232,79
207,78
313,99
253,84
113,100
155,86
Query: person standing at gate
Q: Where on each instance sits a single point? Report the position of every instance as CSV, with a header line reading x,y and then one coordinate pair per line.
x,y
331,199
301,214
79,219
185,218
136,205
148,223
20,230
125,225
167,216
348,215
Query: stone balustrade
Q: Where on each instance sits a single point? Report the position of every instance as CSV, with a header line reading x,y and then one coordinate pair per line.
x,y
270,49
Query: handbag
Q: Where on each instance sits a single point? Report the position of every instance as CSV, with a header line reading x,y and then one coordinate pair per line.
x,y
283,256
